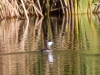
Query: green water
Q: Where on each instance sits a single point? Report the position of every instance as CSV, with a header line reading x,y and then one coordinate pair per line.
x,y
75,50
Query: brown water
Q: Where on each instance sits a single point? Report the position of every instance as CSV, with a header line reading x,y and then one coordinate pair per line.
x,y
76,50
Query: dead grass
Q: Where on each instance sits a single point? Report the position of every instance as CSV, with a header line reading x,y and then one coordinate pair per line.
x,y
14,8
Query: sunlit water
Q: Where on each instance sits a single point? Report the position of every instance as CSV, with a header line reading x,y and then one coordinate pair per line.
x,y
76,49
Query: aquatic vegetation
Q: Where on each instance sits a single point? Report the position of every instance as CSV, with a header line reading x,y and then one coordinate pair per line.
x,y
21,8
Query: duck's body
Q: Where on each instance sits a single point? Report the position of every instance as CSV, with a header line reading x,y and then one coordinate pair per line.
x,y
48,49
48,52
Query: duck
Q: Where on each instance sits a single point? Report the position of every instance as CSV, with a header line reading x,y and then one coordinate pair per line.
x,y
48,48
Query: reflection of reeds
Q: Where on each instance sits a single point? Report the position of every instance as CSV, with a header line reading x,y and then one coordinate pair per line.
x,y
9,35
92,62
64,32
18,64
24,37
89,35
15,35
37,32
74,33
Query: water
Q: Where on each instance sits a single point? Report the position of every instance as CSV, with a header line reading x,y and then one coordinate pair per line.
x,y
75,52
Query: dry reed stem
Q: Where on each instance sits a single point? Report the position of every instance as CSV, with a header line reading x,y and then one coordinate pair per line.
x,y
17,8
13,9
24,9
62,6
39,6
36,9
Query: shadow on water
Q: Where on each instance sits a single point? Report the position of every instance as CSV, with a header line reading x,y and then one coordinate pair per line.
x,y
75,52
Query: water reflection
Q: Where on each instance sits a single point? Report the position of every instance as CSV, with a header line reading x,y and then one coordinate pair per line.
x,y
75,33
90,65
37,63
76,48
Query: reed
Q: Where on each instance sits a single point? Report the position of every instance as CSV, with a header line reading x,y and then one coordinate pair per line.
x,y
21,8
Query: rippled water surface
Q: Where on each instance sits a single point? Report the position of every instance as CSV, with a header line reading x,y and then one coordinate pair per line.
x,y
76,48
